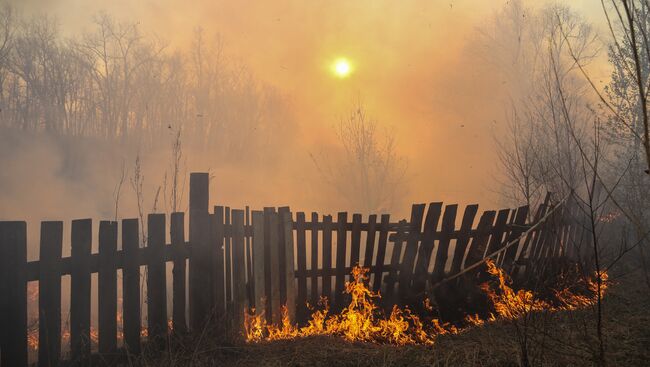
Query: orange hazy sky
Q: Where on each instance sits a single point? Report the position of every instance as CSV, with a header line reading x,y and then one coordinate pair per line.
x,y
414,70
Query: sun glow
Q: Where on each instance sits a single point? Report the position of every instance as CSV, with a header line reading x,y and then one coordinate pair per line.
x,y
342,68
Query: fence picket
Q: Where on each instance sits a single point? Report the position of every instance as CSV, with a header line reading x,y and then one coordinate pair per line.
x,y
446,233
13,287
81,241
177,236
315,295
370,241
217,233
259,267
410,253
341,253
327,258
463,237
200,261
355,240
131,286
286,225
381,253
156,279
107,285
426,246
301,257
239,269
273,247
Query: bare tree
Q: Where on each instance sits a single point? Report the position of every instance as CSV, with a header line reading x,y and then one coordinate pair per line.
x,y
369,173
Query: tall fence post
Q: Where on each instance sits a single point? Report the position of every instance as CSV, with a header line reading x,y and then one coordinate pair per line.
x,y
13,288
200,259
107,285
156,278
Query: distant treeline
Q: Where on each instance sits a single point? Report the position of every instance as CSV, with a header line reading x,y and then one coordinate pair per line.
x,y
116,82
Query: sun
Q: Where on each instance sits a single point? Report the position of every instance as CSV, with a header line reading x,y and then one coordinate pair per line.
x,y
342,68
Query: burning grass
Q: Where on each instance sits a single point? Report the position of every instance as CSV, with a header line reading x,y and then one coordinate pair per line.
x,y
362,321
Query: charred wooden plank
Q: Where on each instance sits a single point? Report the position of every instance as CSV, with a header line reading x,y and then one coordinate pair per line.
x,y
410,253
131,285
107,285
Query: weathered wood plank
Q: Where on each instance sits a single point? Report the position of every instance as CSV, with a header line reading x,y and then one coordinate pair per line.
x,y
370,240
463,238
355,240
131,285
259,267
327,258
301,250
81,241
446,231
107,285
49,295
217,232
179,273
287,249
410,253
496,239
519,220
200,260
156,279
341,252
240,301
273,224
398,242
13,287
426,246
227,249
315,295
381,253
479,240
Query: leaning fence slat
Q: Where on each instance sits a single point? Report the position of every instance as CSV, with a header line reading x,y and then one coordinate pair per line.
x,y
370,241
410,253
398,242
286,224
341,252
107,285
314,263
131,285
496,238
49,295
327,258
13,287
81,241
518,223
258,262
177,235
239,268
446,232
463,238
479,241
426,246
200,285
156,278
381,253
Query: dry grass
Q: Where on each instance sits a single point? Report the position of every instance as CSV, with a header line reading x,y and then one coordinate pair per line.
x,y
555,339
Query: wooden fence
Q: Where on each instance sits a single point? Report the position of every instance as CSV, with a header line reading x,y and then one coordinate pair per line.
x,y
239,259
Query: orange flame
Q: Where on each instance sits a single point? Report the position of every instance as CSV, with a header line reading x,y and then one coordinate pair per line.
x,y
361,321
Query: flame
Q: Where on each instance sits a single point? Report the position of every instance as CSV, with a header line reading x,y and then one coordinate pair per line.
x,y
361,320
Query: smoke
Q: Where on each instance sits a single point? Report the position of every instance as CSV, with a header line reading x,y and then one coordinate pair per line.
x,y
418,72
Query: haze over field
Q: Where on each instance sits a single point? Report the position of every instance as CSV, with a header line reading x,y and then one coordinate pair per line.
x,y
423,70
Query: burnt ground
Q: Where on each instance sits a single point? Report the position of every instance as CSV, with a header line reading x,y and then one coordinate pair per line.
x,y
553,339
